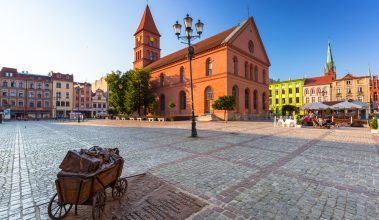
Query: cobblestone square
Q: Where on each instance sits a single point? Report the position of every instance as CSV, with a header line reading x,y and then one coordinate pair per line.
x,y
241,170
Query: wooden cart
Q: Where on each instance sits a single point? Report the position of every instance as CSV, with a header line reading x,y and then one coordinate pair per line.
x,y
87,189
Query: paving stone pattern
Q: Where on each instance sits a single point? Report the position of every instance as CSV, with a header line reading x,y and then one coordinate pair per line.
x,y
241,170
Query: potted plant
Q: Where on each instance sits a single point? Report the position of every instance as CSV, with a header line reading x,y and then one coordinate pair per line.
x,y
299,122
171,106
374,126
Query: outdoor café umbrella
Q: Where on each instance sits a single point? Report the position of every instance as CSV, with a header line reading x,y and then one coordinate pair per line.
x,y
315,106
345,105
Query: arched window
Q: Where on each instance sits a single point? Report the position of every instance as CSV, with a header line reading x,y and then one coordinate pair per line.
x,y
208,67
181,74
251,71
312,91
307,91
163,102
264,76
236,95
161,80
208,97
247,98
264,101
183,100
319,90
251,46
256,73
255,99
246,70
5,83
235,66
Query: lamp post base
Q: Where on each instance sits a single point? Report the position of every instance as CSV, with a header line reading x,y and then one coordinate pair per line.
x,y
193,129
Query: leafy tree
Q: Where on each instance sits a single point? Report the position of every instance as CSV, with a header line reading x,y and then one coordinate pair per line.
x,y
225,103
171,106
153,106
374,123
116,81
139,93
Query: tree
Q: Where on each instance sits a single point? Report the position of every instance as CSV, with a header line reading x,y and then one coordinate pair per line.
x,y
225,103
288,108
116,81
139,93
171,106
153,107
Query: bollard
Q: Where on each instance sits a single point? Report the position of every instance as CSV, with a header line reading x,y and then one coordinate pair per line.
x,y
275,121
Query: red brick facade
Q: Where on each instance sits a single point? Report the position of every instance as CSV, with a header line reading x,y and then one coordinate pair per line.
x,y
233,62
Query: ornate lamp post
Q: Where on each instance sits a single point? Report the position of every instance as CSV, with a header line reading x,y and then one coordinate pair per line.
x,y
188,37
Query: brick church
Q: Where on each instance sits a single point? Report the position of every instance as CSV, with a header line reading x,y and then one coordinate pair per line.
x,y
233,62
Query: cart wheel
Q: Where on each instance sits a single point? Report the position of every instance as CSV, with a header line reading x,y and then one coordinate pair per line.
x,y
119,189
57,210
98,204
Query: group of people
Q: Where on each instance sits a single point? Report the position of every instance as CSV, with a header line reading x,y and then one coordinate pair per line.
x,y
311,120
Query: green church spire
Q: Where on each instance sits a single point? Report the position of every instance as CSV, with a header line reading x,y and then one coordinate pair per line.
x,y
329,66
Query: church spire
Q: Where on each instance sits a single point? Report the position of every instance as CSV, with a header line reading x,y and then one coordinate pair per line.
x,y
147,23
329,66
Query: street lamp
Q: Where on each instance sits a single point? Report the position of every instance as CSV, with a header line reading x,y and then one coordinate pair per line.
x,y
57,99
188,37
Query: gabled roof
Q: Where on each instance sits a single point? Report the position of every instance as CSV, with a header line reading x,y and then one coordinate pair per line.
x,y
206,44
320,80
351,76
147,23
220,39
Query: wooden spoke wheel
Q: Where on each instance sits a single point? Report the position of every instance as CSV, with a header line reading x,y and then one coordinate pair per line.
x,y
57,210
98,204
119,189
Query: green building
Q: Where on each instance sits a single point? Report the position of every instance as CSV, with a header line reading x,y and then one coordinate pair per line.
x,y
287,94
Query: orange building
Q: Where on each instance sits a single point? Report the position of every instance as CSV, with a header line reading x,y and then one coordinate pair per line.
x,y
233,62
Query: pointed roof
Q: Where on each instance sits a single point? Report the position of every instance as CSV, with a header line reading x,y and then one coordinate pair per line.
x,y
147,23
319,80
329,66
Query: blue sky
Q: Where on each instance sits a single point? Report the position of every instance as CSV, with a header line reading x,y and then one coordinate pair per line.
x,y
92,37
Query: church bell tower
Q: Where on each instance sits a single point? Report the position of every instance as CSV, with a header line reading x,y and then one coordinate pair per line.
x,y
147,41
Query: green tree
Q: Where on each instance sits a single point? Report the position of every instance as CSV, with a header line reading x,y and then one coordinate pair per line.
x,y
288,108
171,106
139,93
153,107
116,81
225,103
374,123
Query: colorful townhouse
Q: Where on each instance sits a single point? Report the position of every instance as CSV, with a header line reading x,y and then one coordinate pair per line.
x,y
286,93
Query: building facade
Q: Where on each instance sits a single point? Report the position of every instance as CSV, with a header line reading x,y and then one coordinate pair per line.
x,y
99,103
286,93
100,84
352,87
374,91
28,96
233,62
63,94
83,99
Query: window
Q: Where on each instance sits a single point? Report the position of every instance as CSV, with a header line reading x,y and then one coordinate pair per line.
x,y
283,101
312,91
183,100
161,80
251,46
246,70
290,101
235,66
31,94
67,104
20,85
4,93
67,85
47,85
31,85
307,100
338,91
360,98
94,105
318,90
247,98
348,90
297,90
67,95
276,91
39,104
264,76
20,94
348,82
31,104
375,96
59,85
152,55
256,73
255,99
360,89
264,101
181,74
313,99
5,83
58,94
339,99
163,102
39,85
208,67
39,95
276,101
13,93
47,104
235,94
47,95
63,103
306,91
251,72
57,103
290,91
319,99
297,100
283,91
20,103
13,84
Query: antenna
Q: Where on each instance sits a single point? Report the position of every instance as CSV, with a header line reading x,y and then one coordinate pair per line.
x,y
248,8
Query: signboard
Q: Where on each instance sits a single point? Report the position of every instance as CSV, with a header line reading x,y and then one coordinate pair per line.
x,y
7,114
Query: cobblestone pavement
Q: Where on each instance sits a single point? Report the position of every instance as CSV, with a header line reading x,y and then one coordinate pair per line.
x,y
242,170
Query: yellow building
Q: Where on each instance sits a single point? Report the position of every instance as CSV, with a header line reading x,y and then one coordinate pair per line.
x,y
63,94
351,87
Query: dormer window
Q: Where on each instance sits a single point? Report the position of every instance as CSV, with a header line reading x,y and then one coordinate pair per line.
x,y
348,82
